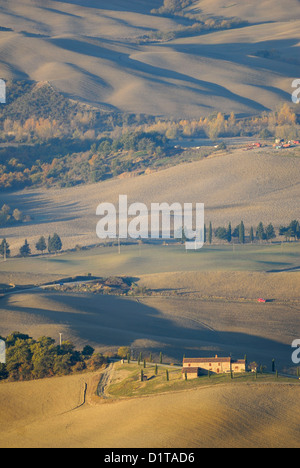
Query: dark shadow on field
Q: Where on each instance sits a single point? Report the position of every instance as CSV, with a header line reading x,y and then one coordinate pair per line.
x,y
109,321
41,210
297,268
153,73
243,53
137,6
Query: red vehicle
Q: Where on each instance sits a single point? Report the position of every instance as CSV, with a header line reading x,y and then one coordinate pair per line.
x,y
262,301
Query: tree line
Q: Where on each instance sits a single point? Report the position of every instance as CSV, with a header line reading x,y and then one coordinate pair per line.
x,y
53,245
261,233
70,162
63,144
29,359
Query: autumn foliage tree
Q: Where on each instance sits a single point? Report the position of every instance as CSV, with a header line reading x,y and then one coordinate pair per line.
x,y
28,359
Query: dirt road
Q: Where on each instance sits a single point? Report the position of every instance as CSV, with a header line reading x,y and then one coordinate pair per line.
x,y
105,380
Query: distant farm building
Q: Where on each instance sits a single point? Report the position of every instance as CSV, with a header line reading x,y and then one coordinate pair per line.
x,y
194,367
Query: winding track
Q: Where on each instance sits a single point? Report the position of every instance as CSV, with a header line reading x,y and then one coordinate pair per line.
x,y
105,380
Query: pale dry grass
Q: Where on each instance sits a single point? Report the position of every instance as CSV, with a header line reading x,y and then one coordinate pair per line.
x,y
268,10
188,320
25,402
91,52
237,285
253,186
252,415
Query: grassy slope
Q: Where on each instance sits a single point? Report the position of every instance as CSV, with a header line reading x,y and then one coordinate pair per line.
x,y
193,321
238,415
148,259
126,380
105,66
254,186
97,69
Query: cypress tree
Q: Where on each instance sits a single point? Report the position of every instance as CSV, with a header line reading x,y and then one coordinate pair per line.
x,y
261,232
4,249
160,358
54,243
25,250
229,233
210,233
41,245
167,375
270,232
251,235
242,233
49,244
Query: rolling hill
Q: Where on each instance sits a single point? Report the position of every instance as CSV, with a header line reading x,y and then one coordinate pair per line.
x,y
176,324
91,69
122,57
46,414
254,186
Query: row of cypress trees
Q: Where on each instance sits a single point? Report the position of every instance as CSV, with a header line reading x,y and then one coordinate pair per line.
x,y
261,233
53,245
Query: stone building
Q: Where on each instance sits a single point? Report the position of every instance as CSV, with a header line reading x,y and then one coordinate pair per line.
x,y
194,367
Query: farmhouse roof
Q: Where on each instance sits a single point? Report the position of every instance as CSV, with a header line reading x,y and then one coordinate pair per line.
x,y
205,360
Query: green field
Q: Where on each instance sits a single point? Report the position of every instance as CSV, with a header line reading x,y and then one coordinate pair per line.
x,y
147,259
127,380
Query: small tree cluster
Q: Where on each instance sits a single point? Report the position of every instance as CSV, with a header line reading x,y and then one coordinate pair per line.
x,y
28,359
290,232
261,233
54,245
9,216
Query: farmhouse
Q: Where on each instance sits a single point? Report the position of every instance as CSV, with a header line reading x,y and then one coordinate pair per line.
x,y
194,367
